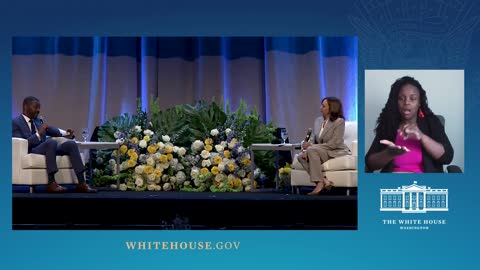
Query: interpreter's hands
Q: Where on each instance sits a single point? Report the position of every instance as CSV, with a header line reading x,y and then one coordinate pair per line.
x,y
393,149
42,129
411,131
305,145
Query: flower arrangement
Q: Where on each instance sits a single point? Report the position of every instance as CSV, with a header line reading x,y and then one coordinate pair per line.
x,y
284,174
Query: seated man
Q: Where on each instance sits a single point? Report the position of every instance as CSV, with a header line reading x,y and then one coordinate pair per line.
x,y
28,127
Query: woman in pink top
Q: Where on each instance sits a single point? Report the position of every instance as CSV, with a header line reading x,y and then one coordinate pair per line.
x,y
408,136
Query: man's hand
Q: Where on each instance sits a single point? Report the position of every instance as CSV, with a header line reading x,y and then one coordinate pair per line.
x,y
42,129
70,131
305,145
393,149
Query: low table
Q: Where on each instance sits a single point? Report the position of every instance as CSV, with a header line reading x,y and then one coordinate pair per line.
x,y
99,146
270,147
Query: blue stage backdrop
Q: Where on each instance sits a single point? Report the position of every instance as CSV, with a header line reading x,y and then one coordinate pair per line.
x,y
285,78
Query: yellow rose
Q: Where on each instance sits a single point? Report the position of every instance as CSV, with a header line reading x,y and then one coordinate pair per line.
x,y
114,153
208,141
148,169
123,149
157,173
208,147
281,171
163,158
217,160
249,175
204,171
237,183
231,167
131,163
168,149
230,183
134,140
246,162
169,157
130,152
134,156
215,170
146,138
152,149
226,153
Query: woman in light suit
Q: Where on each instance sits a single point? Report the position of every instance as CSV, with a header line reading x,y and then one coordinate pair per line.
x,y
327,143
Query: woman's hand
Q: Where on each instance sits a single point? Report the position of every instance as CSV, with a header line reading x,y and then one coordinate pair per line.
x,y
304,155
411,131
393,149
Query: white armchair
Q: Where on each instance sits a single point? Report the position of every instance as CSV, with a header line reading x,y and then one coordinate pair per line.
x,y
31,169
342,171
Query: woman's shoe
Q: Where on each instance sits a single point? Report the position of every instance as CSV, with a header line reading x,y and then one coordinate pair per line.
x,y
328,184
314,193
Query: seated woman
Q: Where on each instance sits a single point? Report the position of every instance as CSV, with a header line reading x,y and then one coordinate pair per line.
x,y
326,145
408,137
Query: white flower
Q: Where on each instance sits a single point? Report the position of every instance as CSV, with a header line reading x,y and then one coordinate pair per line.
x,y
214,132
164,165
158,188
187,183
161,145
150,161
165,138
232,144
151,187
175,149
139,169
195,172
116,134
219,148
197,182
246,181
180,167
181,177
112,162
142,144
197,145
181,151
257,172
148,132
224,144
138,128
219,177
206,163
151,178
96,171
205,154
227,131
156,156
221,185
139,181
174,162
231,177
241,149
165,178
123,187
173,179
242,173
120,141
221,166
113,186
248,188
167,186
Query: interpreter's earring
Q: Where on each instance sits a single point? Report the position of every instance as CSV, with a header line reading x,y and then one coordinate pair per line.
x,y
420,113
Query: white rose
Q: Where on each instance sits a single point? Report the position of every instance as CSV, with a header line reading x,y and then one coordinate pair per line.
x,y
231,177
197,182
232,144
139,169
187,183
219,148
151,178
164,165
148,132
120,141
221,166
221,185
167,186
242,173
157,156
123,187
151,187
150,161
197,145
181,151
174,162
175,149
240,149
214,132
138,128
173,179
165,178
227,131
181,177
248,188
246,181
206,163
219,177
161,145
116,134
158,188
224,144
165,138
257,172
112,162
139,181
205,154
194,173
180,167
142,144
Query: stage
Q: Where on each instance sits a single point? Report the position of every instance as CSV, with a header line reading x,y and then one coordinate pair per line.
x,y
116,210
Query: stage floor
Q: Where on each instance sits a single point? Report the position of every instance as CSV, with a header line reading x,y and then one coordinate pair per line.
x,y
110,210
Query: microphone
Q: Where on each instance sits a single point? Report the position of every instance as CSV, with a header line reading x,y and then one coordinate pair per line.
x,y
40,118
309,133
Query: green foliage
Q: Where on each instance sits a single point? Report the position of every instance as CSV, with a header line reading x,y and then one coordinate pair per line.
x,y
202,118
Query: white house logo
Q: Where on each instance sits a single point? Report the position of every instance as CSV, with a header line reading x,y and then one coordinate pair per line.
x,y
414,199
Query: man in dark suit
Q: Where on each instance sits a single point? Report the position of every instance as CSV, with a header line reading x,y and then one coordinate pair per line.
x,y
29,127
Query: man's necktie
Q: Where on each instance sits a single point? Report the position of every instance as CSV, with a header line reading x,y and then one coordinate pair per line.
x,y
32,125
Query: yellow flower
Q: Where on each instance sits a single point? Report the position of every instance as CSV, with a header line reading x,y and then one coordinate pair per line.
x,y
169,157
148,169
204,171
131,163
226,153
114,153
231,167
146,138
168,149
134,140
215,170
208,141
152,149
281,171
208,147
230,183
217,160
237,183
130,152
249,175
134,156
163,158
246,162
157,173
123,149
